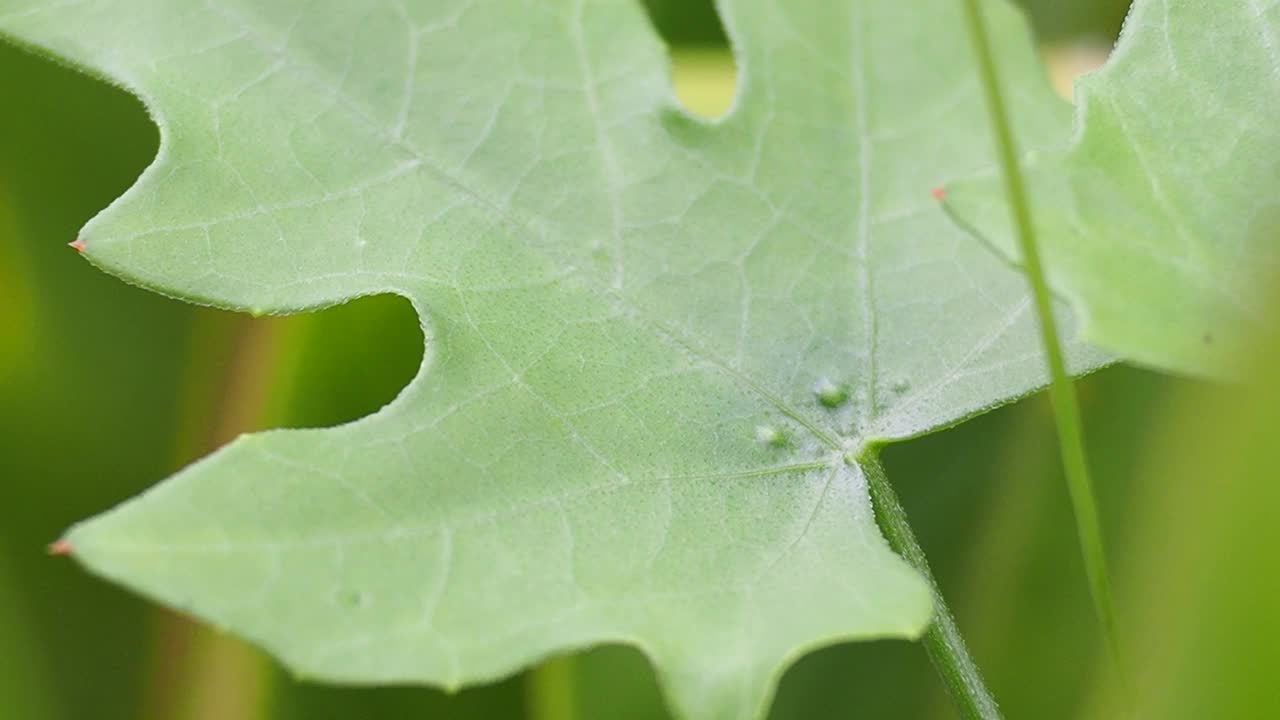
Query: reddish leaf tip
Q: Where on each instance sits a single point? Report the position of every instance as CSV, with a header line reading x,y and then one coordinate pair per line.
x,y
78,244
938,193
60,547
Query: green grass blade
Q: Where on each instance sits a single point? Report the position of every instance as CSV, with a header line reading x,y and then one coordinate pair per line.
x,y
1062,392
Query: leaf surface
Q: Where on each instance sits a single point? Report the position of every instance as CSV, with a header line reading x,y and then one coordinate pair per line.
x,y
1161,220
655,346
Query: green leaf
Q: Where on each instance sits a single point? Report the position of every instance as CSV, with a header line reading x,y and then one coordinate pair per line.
x,y
655,346
1160,221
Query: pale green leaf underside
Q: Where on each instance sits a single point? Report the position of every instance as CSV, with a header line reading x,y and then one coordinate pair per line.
x,y
619,301
1161,222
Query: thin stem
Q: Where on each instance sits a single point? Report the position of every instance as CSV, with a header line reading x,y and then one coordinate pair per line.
x,y
1061,391
943,642
549,693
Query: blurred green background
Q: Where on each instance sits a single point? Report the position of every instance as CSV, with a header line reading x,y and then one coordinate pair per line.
x,y
105,389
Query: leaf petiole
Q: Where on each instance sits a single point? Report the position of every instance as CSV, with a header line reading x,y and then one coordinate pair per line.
x,y
943,642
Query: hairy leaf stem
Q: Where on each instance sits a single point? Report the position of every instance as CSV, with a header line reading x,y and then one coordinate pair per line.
x,y
1061,391
943,643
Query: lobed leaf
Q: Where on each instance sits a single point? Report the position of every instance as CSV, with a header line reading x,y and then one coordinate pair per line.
x,y
1160,222
655,347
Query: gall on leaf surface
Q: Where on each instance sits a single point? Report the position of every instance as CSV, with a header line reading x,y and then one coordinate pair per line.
x,y
615,296
1160,222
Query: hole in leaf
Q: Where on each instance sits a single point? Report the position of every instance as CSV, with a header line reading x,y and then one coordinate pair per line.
x,y
687,23
348,361
705,80
1057,22
1066,62
703,72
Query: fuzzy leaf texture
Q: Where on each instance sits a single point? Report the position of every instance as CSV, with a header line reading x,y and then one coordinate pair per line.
x,y
655,346
1161,221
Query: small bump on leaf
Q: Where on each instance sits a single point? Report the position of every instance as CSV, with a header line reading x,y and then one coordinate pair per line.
x,y
830,394
771,436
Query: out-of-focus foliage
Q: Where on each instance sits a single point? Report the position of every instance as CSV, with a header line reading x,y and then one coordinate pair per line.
x,y
1058,21
89,370
1203,573
1159,221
